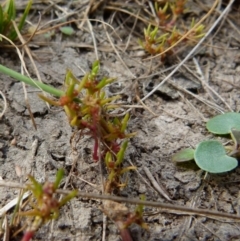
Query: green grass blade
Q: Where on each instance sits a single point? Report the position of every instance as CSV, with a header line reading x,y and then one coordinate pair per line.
x,y
9,14
11,10
47,88
13,35
25,14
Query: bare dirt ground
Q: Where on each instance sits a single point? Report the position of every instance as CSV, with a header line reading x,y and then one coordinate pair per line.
x,y
181,110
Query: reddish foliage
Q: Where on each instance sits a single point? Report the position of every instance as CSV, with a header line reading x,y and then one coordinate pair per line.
x,y
64,100
28,236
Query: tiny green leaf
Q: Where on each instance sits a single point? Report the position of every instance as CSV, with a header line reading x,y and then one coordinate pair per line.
x,y
95,68
108,158
10,9
67,198
211,156
67,30
125,122
222,124
139,208
49,34
121,153
153,33
101,83
165,8
82,82
116,121
184,155
36,187
69,80
148,30
59,177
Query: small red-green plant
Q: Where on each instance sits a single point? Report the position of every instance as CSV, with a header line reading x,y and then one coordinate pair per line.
x,y
88,109
135,217
114,166
170,12
124,218
166,33
43,205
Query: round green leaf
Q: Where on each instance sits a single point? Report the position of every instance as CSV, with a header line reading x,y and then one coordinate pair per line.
x,y
184,155
222,124
67,30
211,156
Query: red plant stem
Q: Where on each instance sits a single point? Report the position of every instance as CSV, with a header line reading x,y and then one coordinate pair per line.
x,y
125,235
28,235
124,232
95,128
95,149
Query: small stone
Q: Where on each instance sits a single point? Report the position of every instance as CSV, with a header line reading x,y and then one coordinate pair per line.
x,y
142,188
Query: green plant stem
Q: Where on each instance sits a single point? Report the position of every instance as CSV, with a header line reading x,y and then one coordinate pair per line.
x,y
47,88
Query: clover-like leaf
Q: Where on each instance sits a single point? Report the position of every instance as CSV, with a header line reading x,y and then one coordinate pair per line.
x,y
211,156
222,124
184,155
